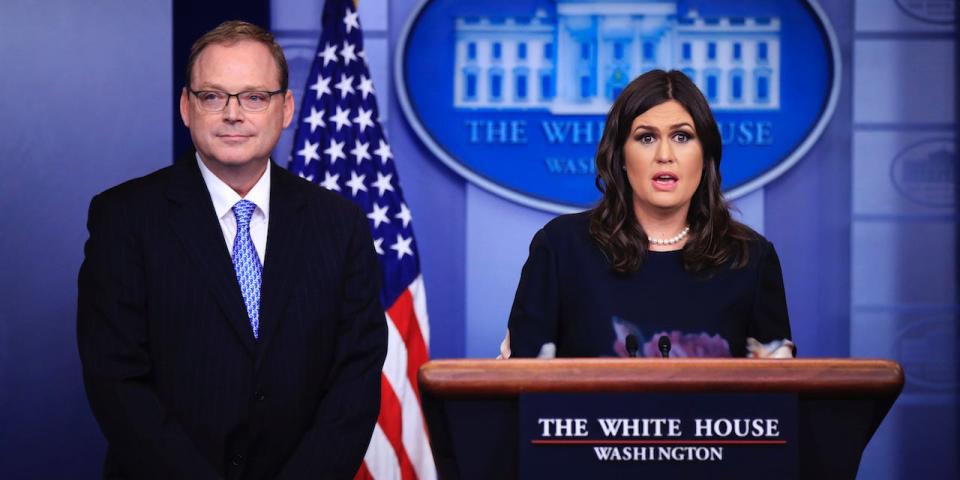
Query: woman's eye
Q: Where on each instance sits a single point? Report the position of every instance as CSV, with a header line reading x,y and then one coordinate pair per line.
x,y
645,138
681,137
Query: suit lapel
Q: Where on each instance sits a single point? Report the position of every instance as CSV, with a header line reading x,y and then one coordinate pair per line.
x,y
195,223
284,242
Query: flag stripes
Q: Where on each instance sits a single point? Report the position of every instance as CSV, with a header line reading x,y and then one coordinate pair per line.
x,y
392,424
406,323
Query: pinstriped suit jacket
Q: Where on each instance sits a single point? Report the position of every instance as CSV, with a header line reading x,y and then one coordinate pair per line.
x,y
174,376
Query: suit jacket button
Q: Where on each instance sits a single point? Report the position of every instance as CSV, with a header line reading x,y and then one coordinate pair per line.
x,y
259,395
237,460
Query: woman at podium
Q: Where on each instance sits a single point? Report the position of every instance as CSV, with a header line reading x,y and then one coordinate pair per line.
x,y
659,256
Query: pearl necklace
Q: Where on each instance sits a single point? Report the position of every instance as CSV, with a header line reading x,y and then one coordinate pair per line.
x,y
674,239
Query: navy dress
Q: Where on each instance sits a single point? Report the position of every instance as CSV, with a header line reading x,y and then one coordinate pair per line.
x,y
568,295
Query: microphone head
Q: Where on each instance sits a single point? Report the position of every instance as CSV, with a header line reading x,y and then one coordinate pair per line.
x,y
664,345
632,345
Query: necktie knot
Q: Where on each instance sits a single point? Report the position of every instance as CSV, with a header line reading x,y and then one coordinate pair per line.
x,y
243,210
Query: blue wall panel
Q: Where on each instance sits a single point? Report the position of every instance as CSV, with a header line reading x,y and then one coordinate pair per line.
x,y
86,105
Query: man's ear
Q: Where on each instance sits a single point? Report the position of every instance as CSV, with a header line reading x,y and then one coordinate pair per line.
x,y
185,107
287,108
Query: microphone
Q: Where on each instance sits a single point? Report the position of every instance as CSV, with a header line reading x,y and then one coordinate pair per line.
x,y
664,345
632,345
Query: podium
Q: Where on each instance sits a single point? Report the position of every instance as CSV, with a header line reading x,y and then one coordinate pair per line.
x,y
472,406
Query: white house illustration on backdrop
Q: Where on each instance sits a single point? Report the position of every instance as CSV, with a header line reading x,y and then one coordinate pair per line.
x,y
578,61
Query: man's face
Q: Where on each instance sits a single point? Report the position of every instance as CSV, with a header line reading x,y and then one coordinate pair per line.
x,y
235,138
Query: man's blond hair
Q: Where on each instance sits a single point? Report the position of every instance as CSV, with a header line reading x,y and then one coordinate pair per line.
x,y
233,31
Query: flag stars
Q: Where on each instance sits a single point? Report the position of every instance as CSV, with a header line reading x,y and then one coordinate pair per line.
x,y
363,119
322,86
335,151
315,119
360,152
379,215
366,87
346,97
402,246
383,183
345,85
341,118
309,152
383,151
329,54
350,20
330,181
356,183
347,52
404,215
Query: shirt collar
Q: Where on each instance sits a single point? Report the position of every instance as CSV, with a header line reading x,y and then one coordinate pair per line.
x,y
224,197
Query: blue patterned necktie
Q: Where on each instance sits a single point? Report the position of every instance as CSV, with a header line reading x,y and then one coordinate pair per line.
x,y
247,263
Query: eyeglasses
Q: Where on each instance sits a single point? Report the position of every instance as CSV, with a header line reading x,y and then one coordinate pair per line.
x,y
216,101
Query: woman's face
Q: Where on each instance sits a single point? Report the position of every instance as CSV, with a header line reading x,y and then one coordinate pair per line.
x,y
664,160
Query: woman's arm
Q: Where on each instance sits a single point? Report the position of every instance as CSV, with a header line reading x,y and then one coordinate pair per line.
x,y
534,316
769,330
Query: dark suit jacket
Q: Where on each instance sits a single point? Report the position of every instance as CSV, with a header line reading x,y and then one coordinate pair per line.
x,y
175,378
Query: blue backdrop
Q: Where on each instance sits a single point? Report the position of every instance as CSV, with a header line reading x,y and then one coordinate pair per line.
x,y
865,223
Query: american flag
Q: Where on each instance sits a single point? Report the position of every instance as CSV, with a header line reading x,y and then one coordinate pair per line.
x,y
340,145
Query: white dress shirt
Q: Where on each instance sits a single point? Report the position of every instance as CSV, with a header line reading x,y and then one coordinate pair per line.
x,y
224,198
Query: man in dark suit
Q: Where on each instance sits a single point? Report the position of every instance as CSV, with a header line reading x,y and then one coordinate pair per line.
x,y
228,318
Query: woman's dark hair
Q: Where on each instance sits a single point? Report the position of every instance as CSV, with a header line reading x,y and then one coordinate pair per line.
x,y
715,238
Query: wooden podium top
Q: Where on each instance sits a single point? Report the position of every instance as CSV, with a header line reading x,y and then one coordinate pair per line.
x,y
508,378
